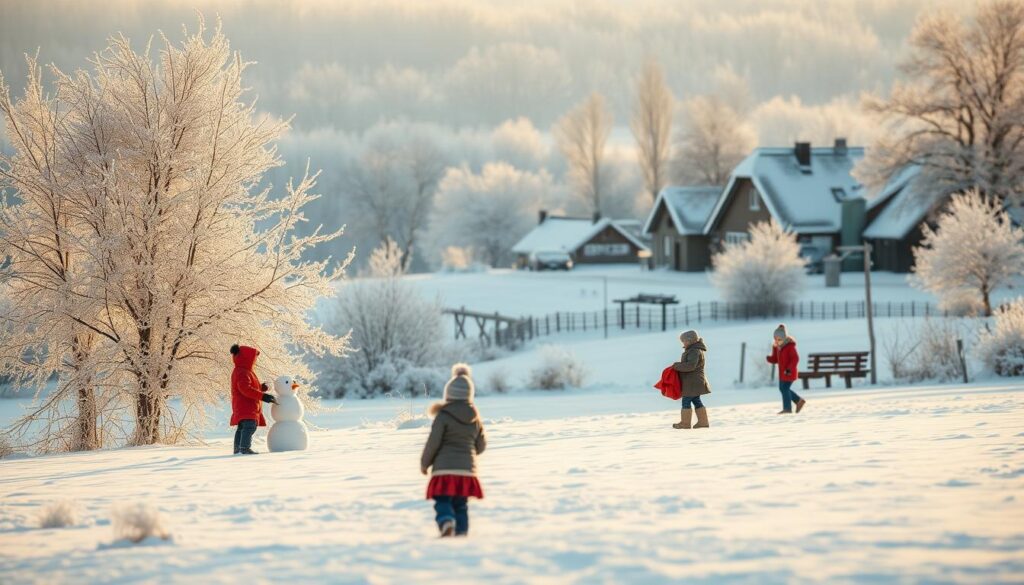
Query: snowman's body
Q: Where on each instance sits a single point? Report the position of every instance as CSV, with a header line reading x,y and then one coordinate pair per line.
x,y
288,432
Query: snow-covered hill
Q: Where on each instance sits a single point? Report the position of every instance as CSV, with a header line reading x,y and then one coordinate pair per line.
x,y
919,485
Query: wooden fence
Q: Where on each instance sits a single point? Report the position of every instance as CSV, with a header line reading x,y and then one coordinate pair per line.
x,y
508,331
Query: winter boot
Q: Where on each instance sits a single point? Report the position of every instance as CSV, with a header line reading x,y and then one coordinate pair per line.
x,y
447,528
702,419
248,452
800,405
684,419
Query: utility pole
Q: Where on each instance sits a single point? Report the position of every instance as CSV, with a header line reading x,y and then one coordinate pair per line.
x,y
869,312
604,310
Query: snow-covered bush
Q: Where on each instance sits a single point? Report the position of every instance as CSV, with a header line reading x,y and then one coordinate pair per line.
x,y
925,350
559,369
137,522
59,514
974,247
1002,348
498,381
485,214
396,333
763,273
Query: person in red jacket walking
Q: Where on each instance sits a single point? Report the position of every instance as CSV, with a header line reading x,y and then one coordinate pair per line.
x,y
247,398
784,354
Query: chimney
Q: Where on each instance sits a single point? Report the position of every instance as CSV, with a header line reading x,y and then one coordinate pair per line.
x,y
542,215
802,150
840,147
597,216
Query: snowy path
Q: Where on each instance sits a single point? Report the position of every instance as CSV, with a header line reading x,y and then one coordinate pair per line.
x,y
919,485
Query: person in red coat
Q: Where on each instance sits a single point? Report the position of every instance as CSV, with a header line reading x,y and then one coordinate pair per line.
x,y
247,398
784,354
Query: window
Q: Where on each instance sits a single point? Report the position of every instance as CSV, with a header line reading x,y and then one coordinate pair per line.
x,y
755,201
606,250
666,246
736,237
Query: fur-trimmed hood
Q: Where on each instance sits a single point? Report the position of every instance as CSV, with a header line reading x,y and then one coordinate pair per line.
x,y
462,411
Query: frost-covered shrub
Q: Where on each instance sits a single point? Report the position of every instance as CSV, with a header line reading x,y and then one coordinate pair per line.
x,y
962,303
763,273
58,514
396,333
1002,348
6,450
498,381
137,522
974,246
925,351
559,369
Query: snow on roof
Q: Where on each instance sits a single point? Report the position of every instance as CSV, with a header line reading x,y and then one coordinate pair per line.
x,y
804,199
689,207
904,211
567,234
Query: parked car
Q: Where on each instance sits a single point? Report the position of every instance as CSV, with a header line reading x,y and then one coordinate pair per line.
x,y
552,260
815,258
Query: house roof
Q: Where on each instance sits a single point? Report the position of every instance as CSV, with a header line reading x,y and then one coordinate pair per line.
x,y
568,234
903,209
689,208
804,199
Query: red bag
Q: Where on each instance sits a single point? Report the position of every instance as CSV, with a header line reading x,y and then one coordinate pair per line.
x,y
669,384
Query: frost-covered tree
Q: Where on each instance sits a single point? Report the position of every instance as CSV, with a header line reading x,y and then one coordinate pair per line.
x,y
394,180
959,114
974,248
712,139
1002,347
487,213
394,331
651,124
138,246
581,136
763,273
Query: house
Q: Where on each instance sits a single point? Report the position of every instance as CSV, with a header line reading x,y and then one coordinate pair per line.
x,y
809,190
676,227
894,220
589,241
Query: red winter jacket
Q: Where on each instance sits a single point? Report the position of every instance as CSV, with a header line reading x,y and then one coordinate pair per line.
x,y
246,396
787,358
669,385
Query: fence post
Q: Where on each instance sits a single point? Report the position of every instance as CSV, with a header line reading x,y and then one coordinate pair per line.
x,y
743,358
698,311
963,362
686,315
558,322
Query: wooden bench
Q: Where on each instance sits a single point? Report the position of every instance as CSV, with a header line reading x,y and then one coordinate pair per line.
x,y
849,365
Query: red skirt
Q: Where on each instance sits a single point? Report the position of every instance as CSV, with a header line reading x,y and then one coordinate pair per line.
x,y
463,486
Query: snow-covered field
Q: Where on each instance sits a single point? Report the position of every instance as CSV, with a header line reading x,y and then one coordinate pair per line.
x,y
921,485
876,484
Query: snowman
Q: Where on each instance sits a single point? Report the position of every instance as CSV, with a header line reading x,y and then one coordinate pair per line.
x,y
288,432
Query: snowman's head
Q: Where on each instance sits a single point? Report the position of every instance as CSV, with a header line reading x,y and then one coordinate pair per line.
x,y
285,385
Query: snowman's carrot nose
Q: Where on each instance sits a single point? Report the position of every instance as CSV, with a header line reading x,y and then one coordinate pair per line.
x,y
294,385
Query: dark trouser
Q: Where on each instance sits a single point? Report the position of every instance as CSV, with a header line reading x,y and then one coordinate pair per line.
x,y
243,434
453,508
788,396
695,401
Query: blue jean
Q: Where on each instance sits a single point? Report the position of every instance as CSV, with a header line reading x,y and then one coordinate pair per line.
x,y
695,401
243,434
788,396
453,508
